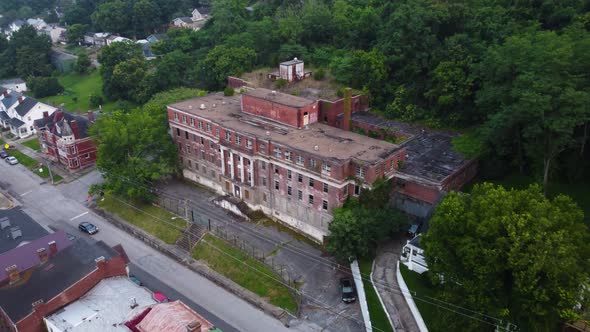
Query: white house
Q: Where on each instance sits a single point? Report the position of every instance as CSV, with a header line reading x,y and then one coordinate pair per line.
x,y
20,114
37,23
15,26
14,84
413,255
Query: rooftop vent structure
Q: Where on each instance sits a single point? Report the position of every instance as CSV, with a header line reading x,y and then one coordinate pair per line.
x,y
316,148
202,106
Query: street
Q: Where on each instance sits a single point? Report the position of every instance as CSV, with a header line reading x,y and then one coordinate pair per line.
x,y
48,206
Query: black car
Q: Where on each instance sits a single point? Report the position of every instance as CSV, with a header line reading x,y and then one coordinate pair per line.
x,y
347,290
3,154
87,227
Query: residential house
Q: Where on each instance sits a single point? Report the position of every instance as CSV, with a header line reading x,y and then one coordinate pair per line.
x,y
56,33
156,38
199,14
116,39
15,26
46,274
106,307
21,114
182,22
268,149
63,137
37,23
96,38
14,84
196,21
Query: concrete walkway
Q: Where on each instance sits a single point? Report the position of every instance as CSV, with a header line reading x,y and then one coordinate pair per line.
x,y
384,275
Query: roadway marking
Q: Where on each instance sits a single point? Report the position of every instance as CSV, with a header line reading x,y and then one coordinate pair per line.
x,y
80,215
24,194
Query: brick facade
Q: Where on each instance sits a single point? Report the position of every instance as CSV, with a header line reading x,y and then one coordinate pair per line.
x,y
105,269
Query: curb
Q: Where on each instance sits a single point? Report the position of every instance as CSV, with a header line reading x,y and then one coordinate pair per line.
x,y
379,297
195,266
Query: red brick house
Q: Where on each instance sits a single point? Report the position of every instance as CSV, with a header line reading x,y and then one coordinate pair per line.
x,y
47,274
63,137
268,149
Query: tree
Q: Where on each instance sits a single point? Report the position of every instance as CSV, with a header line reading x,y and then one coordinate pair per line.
x,y
83,63
223,61
126,78
135,149
76,33
112,16
109,57
146,15
28,53
45,86
172,70
535,94
360,224
512,254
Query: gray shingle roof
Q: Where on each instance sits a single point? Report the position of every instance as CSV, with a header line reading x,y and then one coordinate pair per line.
x,y
23,108
9,100
4,116
16,123
56,120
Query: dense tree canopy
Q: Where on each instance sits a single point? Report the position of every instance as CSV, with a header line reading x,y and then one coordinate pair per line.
x,y
512,254
25,54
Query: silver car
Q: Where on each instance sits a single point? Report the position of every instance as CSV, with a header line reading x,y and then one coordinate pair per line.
x,y
11,160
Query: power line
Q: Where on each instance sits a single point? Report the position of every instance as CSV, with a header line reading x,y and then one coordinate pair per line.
x,y
331,264
328,263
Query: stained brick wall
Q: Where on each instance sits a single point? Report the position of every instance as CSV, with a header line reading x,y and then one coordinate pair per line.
x,y
105,269
83,147
292,116
330,110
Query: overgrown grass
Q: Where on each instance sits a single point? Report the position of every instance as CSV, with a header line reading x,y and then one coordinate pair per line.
x,y
33,144
244,270
577,191
420,285
379,319
78,89
158,222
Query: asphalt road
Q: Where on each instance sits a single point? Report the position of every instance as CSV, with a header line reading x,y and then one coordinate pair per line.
x,y
52,209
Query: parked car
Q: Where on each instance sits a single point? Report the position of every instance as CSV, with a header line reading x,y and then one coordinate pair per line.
x,y
160,298
87,227
11,160
347,290
3,154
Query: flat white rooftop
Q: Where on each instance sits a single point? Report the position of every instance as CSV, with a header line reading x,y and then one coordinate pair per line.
x,y
105,308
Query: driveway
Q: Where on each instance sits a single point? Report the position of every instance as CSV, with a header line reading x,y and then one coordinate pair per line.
x,y
316,273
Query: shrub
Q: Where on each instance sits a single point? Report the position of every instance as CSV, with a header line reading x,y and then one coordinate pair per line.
x,y
320,74
95,101
45,86
228,91
281,83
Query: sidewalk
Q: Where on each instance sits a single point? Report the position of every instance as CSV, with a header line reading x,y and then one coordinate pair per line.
x,y
384,275
56,168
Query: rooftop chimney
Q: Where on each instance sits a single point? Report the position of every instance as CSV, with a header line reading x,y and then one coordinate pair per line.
x,y
5,93
194,326
20,99
347,119
45,115
90,116
75,129
42,253
52,248
13,274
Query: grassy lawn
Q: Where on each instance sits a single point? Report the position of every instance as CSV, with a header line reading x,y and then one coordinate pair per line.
x,y
420,284
241,271
577,191
33,144
147,217
80,87
379,319
30,163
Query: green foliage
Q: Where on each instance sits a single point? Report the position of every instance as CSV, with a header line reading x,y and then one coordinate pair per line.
x,y
469,145
96,101
223,61
76,33
360,224
228,91
82,65
513,254
112,16
115,55
45,86
25,54
319,74
281,83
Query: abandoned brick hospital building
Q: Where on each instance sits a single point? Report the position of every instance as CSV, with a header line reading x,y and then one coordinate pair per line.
x,y
296,159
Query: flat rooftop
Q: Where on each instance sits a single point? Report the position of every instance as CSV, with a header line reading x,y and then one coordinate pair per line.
x,y
279,97
332,143
430,154
106,307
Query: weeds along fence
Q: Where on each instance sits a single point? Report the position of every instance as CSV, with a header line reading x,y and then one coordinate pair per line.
x,y
183,209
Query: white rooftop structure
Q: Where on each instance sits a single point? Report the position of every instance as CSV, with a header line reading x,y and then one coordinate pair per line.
x,y
413,255
105,308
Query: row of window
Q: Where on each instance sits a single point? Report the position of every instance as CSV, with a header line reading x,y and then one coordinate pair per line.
x,y
300,160
311,181
310,197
